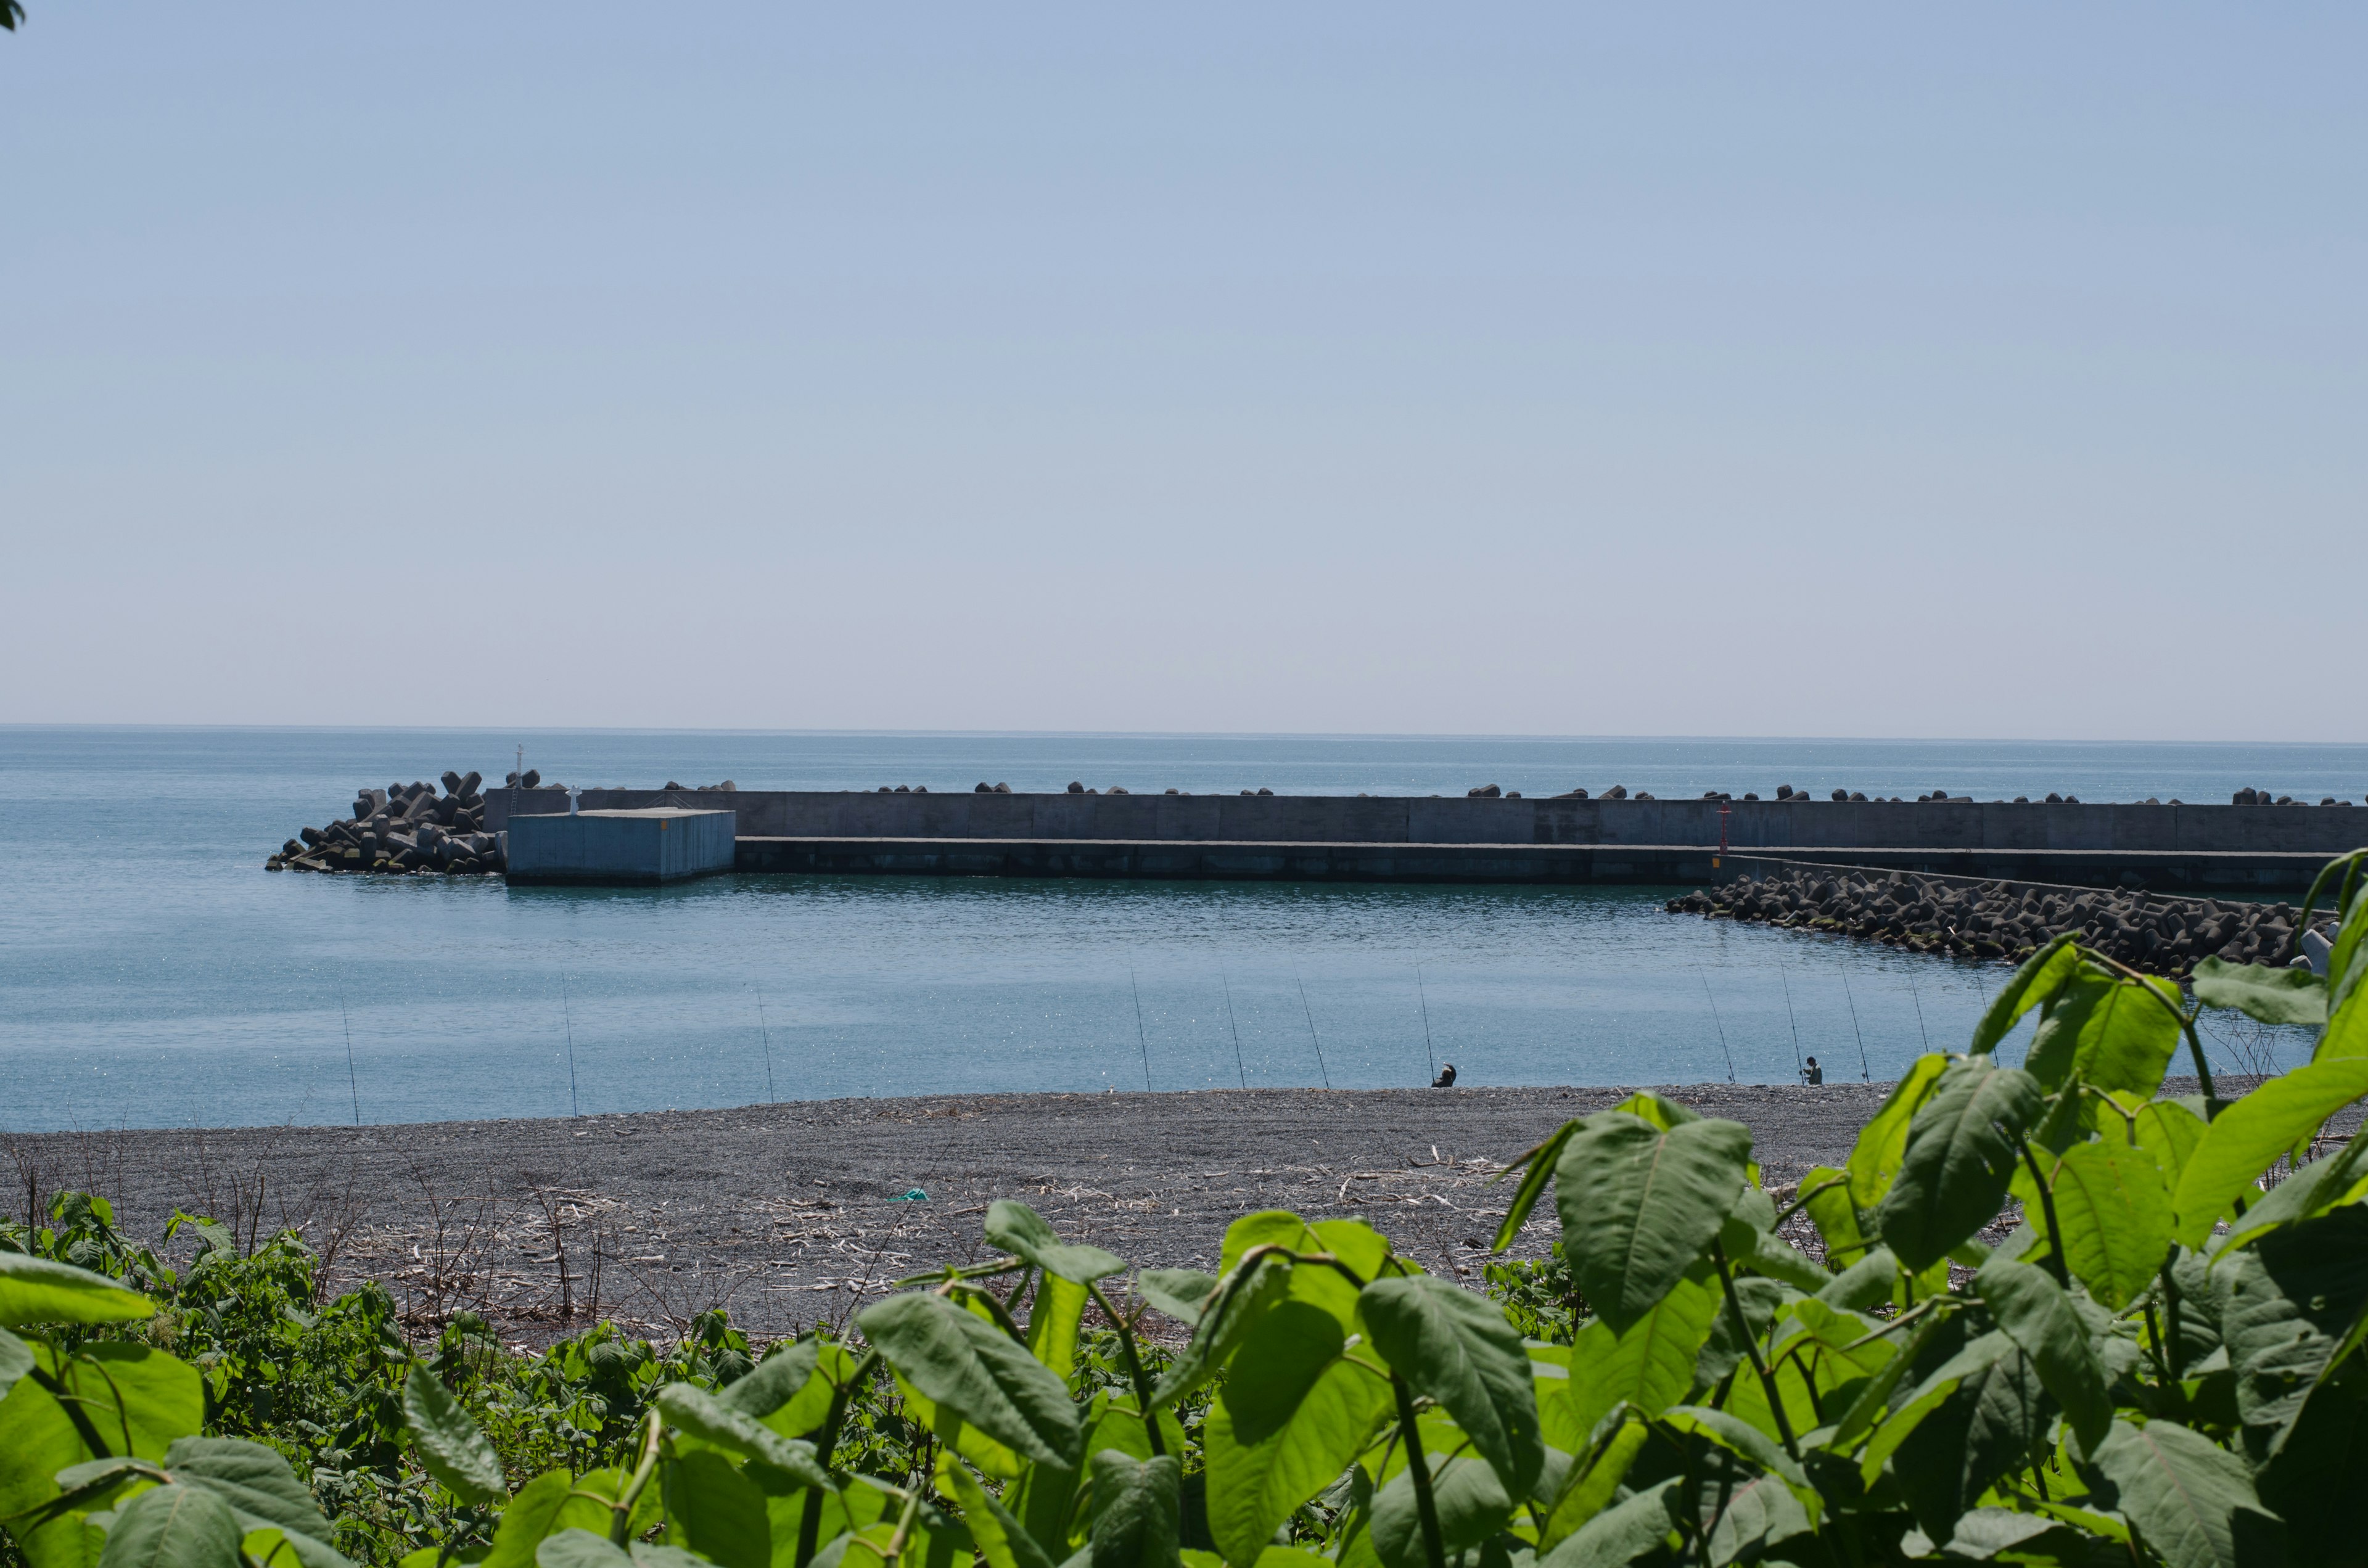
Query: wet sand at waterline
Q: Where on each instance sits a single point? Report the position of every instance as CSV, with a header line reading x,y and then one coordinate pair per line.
x,y
795,1212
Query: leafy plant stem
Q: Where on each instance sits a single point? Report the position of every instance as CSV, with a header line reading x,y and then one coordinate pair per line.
x,y
826,1445
1425,1506
2047,1204
912,1511
1751,1348
1802,1201
2172,1348
1135,1374
621,1523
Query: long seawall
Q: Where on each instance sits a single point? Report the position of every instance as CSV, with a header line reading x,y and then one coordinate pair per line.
x,y
1482,839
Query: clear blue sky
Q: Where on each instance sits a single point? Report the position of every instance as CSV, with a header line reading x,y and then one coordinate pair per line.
x,y
1748,369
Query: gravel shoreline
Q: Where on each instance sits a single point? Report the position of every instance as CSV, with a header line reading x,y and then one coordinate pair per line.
x,y
789,1214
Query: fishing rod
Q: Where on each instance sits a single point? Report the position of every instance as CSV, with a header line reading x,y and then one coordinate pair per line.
x,y
1241,1071
567,1018
1428,1054
352,1079
1797,1067
1311,1029
1714,1019
766,1035
1864,1072
1142,1040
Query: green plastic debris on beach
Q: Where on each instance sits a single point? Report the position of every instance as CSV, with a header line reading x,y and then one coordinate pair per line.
x,y
912,1195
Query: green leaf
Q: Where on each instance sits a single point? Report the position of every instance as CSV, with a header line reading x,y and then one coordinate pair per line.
x,y
2115,1213
2248,1136
1537,1168
1729,1337
1137,1511
978,1373
1456,1348
1181,1293
1002,1540
777,1381
715,1510
2041,976
1652,1366
1981,1414
1282,1358
710,1420
2271,995
580,1549
1961,1153
1863,1284
2170,1132
1471,1506
1831,1209
806,1410
2284,1306
1588,1488
2039,1316
1738,1438
136,1398
1021,1232
1661,1111
2313,1190
39,1441
2108,1030
1253,1487
1639,1204
1621,1534
449,1444
2191,1499
1749,1248
173,1527
15,1361
261,1488
1052,1324
532,1514
1242,1296
36,1289
2318,1475
1761,1513
1882,1145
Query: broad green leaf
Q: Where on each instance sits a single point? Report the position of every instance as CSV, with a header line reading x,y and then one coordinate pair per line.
x,y
448,1441
1242,1296
1729,1337
2039,1317
1471,1506
808,1409
998,1460
36,1290
1052,1324
1021,1232
1747,1247
1253,1488
2107,1031
1356,1246
1181,1293
1662,1112
1457,1348
1834,1211
1652,1365
2115,1211
1001,1539
173,1527
580,1549
975,1371
1881,1143
778,1380
261,1489
1640,1204
2317,1479
2041,976
1863,1284
1961,1153
2248,1136
591,1506
1589,1487
1738,1437
1761,1512
2346,1039
2191,1499
710,1420
15,1361
2271,995
1981,1414
1137,1508
2314,1189
1537,1168
1279,1361
2170,1132
136,1398
532,1513
1628,1531
714,1510
2284,1306
37,1442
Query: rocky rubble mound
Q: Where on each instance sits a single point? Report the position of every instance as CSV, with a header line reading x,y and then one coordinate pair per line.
x,y
402,830
2003,920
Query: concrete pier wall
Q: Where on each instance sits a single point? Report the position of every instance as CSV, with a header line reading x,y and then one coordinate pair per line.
x,y
1383,820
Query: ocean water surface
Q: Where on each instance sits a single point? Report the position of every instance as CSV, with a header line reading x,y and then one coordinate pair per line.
x,y
152,974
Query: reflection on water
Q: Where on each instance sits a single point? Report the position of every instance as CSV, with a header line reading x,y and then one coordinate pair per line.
x,y
152,974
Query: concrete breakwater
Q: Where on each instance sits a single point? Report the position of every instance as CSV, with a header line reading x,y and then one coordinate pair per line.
x,y
403,829
2000,919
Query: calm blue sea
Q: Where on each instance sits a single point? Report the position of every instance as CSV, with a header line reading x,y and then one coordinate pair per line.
x,y
153,973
